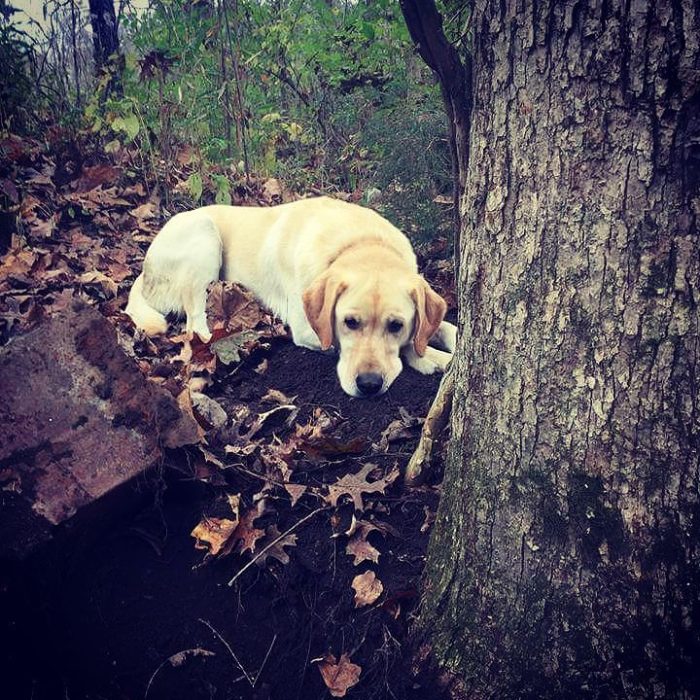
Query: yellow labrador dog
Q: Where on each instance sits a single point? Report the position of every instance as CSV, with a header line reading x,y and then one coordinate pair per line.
x,y
335,273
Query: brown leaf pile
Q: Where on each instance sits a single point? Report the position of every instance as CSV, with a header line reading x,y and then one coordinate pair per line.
x,y
83,224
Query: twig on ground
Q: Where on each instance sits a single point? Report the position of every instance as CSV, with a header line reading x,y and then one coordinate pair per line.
x,y
267,656
230,651
275,541
435,422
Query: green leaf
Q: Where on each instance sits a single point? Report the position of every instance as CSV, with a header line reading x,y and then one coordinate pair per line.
x,y
194,185
228,349
128,124
112,146
223,189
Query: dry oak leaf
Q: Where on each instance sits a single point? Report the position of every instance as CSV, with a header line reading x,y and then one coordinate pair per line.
x,y
295,491
246,533
96,175
108,285
354,485
339,676
184,401
367,588
359,547
272,189
277,550
213,533
231,307
145,211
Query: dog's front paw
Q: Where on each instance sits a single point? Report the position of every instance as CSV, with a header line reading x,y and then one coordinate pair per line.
x,y
432,361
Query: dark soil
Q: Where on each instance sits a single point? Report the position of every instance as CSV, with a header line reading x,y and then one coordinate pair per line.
x,y
101,621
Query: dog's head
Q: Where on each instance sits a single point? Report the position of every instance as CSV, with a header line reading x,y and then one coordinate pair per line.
x,y
369,318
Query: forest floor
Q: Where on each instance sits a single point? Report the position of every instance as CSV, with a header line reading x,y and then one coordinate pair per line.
x,y
280,557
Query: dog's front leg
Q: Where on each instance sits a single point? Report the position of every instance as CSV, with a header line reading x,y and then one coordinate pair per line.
x,y
433,361
303,335
304,339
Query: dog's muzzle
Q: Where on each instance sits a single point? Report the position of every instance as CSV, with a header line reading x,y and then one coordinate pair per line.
x,y
369,383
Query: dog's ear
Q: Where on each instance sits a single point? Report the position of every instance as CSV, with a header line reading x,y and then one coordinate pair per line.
x,y
319,306
430,310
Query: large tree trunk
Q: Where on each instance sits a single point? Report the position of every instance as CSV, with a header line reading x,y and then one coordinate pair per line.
x,y
565,554
105,38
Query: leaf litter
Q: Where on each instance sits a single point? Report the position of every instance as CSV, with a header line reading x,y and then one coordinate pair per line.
x,y
285,452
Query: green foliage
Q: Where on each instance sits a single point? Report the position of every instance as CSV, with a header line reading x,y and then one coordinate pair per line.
x,y
326,95
321,94
16,84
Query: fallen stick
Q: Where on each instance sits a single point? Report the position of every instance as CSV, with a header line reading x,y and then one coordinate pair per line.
x,y
435,423
230,651
275,541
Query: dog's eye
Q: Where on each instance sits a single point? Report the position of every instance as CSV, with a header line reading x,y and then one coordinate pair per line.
x,y
352,323
394,326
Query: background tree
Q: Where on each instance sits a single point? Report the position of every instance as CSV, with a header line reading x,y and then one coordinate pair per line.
x,y
564,559
105,36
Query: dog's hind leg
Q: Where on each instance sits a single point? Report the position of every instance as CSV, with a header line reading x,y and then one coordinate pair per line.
x,y
148,319
182,261
445,337
432,361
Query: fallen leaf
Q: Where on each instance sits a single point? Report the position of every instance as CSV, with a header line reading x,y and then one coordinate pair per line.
x,y
274,418
8,188
43,229
359,547
184,401
277,550
234,501
295,491
210,457
144,212
209,410
339,676
108,285
213,533
95,175
276,396
231,307
367,588
182,656
230,348
354,485
272,189
246,533
325,446
402,428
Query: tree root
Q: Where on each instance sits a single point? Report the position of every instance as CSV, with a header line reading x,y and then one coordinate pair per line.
x,y
435,423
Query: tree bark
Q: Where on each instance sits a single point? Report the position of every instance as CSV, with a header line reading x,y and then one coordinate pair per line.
x,y
105,37
564,560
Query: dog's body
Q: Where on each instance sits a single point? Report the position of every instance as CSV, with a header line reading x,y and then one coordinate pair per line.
x,y
332,271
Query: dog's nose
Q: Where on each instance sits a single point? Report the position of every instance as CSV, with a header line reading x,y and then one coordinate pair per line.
x,y
369,383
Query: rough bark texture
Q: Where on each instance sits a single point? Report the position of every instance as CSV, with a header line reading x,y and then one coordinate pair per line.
x,y
105,38
565,555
